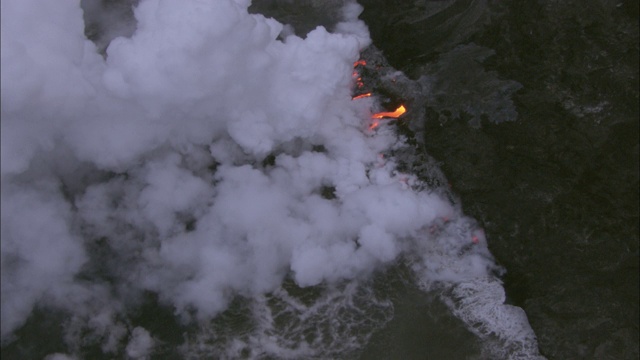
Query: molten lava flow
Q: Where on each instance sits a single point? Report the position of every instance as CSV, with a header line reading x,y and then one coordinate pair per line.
x,y
396,114
356,74
361,96
360,84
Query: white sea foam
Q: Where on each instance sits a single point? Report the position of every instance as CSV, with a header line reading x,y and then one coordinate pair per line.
x,y
332,322
504,328
148,170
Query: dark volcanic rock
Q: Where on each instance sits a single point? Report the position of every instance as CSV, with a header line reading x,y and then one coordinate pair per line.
x,y
556,189
414,33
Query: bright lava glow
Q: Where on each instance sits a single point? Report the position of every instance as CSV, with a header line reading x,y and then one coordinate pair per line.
x,y
361,96
396,114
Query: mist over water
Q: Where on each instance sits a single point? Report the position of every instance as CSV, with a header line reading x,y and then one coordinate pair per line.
x,y
214,159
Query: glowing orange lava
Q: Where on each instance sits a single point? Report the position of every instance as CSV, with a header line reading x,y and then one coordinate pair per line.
x,y
381,115
396,114
361,96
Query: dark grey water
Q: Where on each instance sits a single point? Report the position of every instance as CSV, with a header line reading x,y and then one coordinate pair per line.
x,y
532,114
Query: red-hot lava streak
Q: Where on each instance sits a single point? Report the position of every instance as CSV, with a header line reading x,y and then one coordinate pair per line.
x,y
360,62
381,115
361,96
396,114
356,75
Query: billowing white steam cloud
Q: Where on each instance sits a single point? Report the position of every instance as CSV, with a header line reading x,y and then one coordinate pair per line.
x,y
193,161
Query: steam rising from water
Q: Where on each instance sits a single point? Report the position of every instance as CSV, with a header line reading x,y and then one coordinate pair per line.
x,y
200,159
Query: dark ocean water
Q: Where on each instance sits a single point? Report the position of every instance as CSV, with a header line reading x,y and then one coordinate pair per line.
x,y
532,114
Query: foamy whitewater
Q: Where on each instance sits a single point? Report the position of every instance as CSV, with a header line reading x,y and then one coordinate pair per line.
x,y
193,161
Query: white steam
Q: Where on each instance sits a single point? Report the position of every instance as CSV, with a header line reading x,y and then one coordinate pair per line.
x,y
193,161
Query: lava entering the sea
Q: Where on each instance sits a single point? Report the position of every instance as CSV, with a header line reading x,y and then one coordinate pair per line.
x,y
360,84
